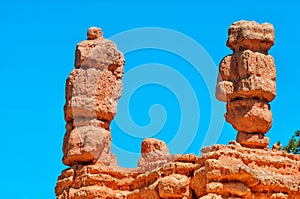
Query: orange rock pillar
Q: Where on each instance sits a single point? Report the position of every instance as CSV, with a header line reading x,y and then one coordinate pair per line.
x,y
92,91
246,82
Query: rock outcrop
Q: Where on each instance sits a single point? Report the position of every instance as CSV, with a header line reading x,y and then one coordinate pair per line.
x,y
222,171
246,82
152,151
242,169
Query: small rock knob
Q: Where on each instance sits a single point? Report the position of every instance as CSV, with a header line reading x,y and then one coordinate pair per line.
x,y
94,33
153,150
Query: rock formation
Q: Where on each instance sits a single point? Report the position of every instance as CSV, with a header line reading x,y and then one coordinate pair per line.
x,y
92,91
221,171
238,170
246,82
153,150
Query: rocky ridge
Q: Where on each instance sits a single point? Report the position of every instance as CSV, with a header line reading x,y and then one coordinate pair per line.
x,y
222,171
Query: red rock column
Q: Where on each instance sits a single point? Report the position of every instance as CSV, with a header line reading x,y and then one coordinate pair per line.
x,y
92,91
246,81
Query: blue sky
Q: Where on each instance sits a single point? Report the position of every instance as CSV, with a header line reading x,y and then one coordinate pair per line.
x,y
37,52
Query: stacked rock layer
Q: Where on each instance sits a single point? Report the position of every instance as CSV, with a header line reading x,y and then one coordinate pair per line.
x,y
246,81
92,91
220,172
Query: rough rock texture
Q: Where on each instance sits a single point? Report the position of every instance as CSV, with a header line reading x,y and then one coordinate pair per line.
x,y
153,150
252,140
246,81
92,91
244,169
222,171
250,35
174,186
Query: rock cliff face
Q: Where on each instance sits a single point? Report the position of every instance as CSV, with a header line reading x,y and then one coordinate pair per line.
x,y
242,169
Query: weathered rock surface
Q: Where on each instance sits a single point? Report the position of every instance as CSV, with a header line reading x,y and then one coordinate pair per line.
x,y
247,74
250,35
246,81
246,169
95,98
222,171
94,33
252,140
92,91
153,150
249,115
88,144
174,186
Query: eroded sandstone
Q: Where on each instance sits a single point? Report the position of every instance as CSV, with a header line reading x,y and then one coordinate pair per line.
x,y
246,81
153,150
242,169
92,91
222,171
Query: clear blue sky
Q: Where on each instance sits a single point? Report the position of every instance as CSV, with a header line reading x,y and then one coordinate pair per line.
x,y
37,52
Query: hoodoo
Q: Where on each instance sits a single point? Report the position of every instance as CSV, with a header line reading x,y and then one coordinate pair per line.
x,y
242,169
246,82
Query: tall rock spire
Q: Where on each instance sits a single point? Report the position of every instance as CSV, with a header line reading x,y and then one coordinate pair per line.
x,y
92,91
246,81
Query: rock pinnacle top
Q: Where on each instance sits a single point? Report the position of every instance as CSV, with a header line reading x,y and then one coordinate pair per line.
x,y
94,33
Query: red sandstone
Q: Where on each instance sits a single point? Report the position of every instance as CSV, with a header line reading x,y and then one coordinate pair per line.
x,y
246,169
